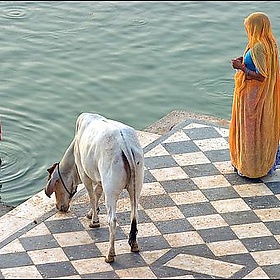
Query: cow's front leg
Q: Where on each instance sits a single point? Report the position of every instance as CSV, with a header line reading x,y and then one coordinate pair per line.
x,y
95,195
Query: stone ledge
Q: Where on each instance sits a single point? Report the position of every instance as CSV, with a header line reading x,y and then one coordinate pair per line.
x,y
166,123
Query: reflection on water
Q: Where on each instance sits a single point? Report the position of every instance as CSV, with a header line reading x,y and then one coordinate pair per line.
x,y
133,61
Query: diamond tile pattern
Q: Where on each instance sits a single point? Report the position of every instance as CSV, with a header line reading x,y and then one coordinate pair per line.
x,y
197,219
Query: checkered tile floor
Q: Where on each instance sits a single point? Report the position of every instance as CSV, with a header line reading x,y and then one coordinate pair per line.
x,y
198,219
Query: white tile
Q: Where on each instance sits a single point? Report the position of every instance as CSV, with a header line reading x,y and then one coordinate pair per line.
x,y
47,256
247,190
177,137
230,205
189,197
169,173
228,247
23,272
154,188
158,150
208,182
212,144
73,238
251,230
191,158
204,265
207,221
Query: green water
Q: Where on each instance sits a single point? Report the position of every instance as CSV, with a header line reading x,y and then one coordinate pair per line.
x,y
132,61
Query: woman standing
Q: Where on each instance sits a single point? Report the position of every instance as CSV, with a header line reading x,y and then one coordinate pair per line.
x,y
255,121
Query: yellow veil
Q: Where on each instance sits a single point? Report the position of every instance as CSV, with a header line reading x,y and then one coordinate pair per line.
x,y
255,122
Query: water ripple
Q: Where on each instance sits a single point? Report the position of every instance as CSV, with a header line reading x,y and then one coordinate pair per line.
x,y
18,12
23,164
139,22
133,61
15,157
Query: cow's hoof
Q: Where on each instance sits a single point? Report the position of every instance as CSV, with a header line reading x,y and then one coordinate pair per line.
x,y
109,259
94,225
89,214
135,248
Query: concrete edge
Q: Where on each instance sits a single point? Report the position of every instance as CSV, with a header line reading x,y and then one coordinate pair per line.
x,y
169,121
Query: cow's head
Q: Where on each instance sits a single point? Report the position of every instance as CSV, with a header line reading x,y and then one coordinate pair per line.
x,y
61,184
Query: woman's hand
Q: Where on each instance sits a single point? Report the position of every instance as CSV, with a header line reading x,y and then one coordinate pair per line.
x,y
239,58
237,63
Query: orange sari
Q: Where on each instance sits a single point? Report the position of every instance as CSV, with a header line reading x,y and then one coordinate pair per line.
x,y
255,121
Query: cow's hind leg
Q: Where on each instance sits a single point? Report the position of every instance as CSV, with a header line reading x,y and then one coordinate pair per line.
x,y
111,204
132,241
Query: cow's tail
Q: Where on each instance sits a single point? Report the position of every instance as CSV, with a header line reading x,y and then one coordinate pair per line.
x,y
135,185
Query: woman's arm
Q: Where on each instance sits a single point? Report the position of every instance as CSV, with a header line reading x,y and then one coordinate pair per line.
x,y
250,75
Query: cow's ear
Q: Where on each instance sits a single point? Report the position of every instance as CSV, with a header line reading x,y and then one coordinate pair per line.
x,y
51,169
49,189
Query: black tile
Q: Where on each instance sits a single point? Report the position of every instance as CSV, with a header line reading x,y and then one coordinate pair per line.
x,y
240,217
197,250
197,209
246,260
201,250
235,179
274,187
200,170
55,270
260,243
166,272
217,234
272,271
273,226
124,218
241,259
181,185
38,242
152,243
128,260
262,202
86,251
173,226
64,225
15,260
200,133
218,155
81,209
156,201
101,275
163,272
160,162
220,193
181,147
101,234
148,177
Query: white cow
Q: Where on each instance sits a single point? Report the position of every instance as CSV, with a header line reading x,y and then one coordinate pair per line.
x,y
106,156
